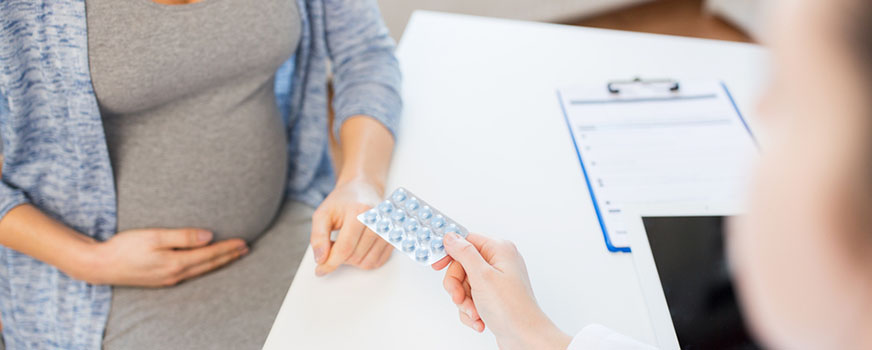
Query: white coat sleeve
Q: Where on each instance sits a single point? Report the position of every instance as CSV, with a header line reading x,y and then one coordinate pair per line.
x,y
598,337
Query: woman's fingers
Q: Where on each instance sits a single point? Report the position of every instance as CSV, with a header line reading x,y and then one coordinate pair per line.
x,y
212,264
364,248
188,258
385,255
322,225
349,236
378,255
180,238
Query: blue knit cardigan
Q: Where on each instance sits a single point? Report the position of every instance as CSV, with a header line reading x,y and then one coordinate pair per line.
x,y
55,155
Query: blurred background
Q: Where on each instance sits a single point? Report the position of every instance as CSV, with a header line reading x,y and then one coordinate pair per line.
x,y
734,20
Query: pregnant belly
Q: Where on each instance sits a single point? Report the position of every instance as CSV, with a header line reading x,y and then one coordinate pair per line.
x,y
221,172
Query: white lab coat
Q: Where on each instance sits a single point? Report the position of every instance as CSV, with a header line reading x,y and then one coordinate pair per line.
x,y
598,337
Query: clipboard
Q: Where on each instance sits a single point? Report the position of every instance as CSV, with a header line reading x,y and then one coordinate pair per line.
x,y
656,143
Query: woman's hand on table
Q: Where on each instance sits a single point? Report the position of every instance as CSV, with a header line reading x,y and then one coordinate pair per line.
x,y
156,257
356,245
364,157
488,282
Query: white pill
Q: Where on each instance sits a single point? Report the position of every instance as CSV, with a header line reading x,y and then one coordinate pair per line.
x,y
386,207
370,217
438,221
425,213
399,215
399,195
413,204
383,226
396,235
436,245
409,245
411,225
424,234
422,254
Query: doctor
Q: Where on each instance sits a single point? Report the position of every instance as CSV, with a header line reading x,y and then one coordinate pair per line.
x,y
801,255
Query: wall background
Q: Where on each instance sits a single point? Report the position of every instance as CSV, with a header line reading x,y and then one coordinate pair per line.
x,y
397,12
747,15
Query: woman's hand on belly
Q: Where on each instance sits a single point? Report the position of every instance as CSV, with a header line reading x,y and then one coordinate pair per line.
x,y
148,257
159,257
356,245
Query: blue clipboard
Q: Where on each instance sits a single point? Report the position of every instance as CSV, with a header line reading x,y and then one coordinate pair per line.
x,y
614,88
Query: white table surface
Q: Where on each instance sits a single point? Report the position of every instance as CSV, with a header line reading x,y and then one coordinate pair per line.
x,y
483,139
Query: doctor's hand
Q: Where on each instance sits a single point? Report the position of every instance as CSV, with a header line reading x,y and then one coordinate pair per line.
x,y
356,245
488,282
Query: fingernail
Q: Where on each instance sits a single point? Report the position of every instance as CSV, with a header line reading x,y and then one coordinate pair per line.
x,y
204,236
319,272
467,312
242,249
319,254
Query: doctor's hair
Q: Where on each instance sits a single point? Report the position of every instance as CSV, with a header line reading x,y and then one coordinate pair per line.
x,y
860,40
861,34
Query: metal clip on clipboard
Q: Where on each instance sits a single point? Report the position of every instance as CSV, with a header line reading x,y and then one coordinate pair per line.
x,y
672,85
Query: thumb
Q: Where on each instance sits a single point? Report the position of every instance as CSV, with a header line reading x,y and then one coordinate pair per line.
x,y
464,253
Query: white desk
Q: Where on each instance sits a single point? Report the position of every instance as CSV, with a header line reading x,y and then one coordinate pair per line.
x,y
483,139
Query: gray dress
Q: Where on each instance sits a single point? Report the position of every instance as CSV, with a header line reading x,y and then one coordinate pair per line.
x,y
196,140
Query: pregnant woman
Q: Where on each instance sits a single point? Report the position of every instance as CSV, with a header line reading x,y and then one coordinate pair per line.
x,y
148,142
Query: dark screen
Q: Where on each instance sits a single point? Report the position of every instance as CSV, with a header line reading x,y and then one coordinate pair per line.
x,y
690,259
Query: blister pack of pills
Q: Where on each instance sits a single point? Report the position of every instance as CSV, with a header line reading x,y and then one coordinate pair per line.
x,y
411,225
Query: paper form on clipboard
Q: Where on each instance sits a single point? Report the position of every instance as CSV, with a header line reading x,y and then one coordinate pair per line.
x,y
648,145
